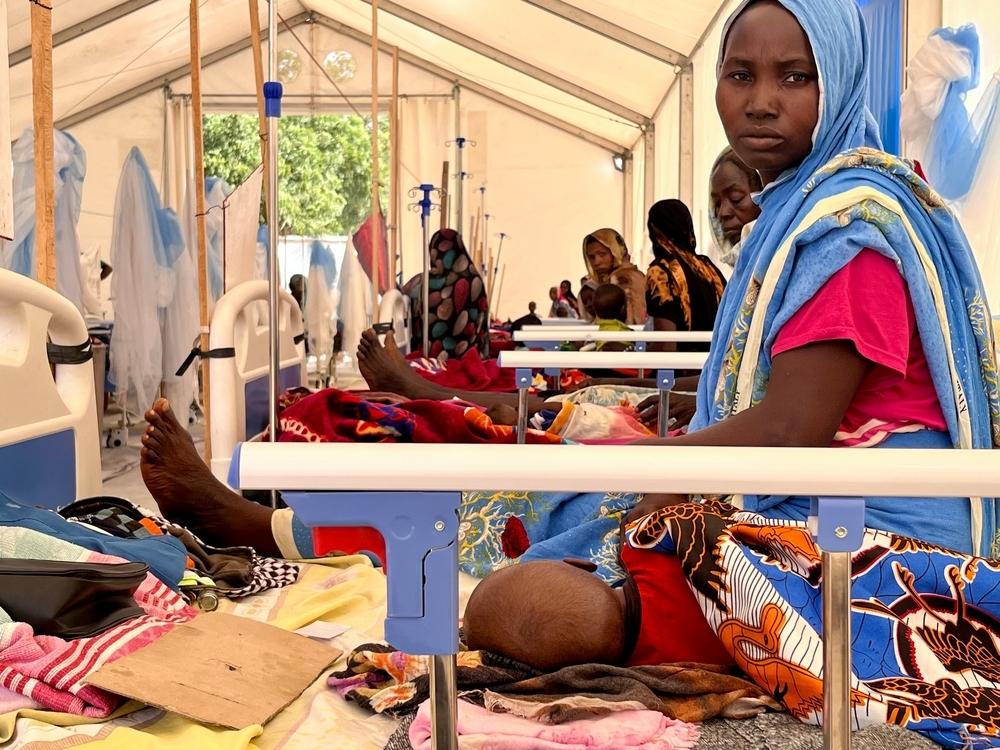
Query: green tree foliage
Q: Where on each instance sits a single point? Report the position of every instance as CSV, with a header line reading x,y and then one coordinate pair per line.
x,y
324,167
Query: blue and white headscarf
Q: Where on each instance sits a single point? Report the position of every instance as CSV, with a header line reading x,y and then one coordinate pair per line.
x,y
845,197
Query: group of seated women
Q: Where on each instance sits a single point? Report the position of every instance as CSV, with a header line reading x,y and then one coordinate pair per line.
x,y
855,318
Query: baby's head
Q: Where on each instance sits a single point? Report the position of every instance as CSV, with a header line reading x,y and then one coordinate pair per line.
x,y
548,615
610,302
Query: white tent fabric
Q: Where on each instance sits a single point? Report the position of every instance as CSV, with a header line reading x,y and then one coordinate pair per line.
x,y
549,89
240,223
319,314
6,177
216,192
70,167
355,304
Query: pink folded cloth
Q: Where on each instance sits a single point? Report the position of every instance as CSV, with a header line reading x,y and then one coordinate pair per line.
x,y
478,729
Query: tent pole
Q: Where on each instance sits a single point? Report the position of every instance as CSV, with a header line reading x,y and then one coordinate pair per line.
x,y
258,74
44,144
445,198
272,109
199,213
456,93
394,168
376,203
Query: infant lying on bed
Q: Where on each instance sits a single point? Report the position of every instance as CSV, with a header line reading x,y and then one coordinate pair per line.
x,y
549,615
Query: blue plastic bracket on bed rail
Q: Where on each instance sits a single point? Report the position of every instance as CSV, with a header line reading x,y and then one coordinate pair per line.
x,y
837,523
420,530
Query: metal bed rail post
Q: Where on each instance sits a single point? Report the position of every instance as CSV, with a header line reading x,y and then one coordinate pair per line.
x,y
664,381
838,526
522,379
444,702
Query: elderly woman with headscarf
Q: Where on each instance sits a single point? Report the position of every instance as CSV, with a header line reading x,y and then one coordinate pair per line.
x,y
608,262
683,288
732,186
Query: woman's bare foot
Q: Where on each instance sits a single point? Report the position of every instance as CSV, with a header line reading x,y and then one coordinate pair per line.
x,y
189,495
384,368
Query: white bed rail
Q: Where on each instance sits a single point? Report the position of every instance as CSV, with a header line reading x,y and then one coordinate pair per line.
x,y
605,360
36,405
239,322
586,335
395,309
551,324
572,468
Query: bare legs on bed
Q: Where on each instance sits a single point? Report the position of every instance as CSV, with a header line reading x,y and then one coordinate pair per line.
x,y
385,369
189,495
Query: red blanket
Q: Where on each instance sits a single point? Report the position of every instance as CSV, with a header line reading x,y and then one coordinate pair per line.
x,y
470,373
333,416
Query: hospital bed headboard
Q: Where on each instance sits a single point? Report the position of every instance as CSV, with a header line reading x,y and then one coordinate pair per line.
x,y
395,309
50,451
239,390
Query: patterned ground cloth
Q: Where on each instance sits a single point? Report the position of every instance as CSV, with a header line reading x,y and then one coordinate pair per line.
x,y
925,628
393,683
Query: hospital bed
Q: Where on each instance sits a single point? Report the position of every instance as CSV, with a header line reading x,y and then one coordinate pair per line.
x,y
50,456
238,365
49,440
550,338
415,506
664,364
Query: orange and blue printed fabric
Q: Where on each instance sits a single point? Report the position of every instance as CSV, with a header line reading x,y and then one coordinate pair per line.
x,y
925,621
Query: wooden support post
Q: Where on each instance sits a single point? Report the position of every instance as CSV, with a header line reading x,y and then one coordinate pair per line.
x,y
477,255
495,304
394,200
199,215
44,144
445,202
257,52
376,202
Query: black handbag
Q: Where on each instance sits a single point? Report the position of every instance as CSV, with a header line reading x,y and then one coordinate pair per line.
x,y
70,599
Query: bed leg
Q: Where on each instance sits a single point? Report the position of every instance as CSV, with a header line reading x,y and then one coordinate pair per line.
x,y
837,650
838,527
664,381
444,703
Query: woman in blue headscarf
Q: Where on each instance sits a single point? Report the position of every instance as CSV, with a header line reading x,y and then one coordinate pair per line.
x,y
855,315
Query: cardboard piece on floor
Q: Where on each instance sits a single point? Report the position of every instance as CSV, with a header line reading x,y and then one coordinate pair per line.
x,y
219,669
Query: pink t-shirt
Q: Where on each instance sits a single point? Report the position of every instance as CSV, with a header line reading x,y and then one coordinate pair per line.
x,y
867,303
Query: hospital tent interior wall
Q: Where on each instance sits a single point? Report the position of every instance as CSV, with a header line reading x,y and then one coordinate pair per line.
x,y
547,183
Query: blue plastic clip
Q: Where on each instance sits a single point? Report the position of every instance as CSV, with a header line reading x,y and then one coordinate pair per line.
x,y
420,530
272,98
523,377
665,379
837,523
640,346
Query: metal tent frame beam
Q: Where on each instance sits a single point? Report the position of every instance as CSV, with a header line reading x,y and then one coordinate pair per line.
x,y
160,81
511,61
84,27
466,83
612,31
